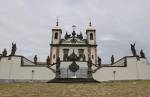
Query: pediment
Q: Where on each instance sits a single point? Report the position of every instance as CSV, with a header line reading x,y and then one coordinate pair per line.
x,y
73,40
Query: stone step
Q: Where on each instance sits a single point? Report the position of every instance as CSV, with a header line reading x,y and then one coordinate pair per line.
x,y
73,80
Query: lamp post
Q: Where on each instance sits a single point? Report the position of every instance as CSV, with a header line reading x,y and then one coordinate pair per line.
x,y
32,75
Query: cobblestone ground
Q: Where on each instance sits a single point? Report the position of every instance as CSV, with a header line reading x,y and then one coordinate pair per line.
x,y
113,89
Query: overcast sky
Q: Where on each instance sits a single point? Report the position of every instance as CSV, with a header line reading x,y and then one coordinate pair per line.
x,y
118,23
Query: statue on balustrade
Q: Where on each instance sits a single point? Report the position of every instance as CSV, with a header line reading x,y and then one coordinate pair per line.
x,y
133,50
4,53
48,60
99,61
67,36
142,54
14,48
35,59
112,59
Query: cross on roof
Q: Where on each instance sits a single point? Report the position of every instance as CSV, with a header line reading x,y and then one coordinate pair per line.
x,y
90,24
73,27
57,22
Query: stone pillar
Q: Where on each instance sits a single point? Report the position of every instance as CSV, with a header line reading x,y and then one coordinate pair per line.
x,y
57,54
51,53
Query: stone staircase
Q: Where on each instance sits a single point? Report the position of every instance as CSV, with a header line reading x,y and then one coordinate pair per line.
x,y
73,80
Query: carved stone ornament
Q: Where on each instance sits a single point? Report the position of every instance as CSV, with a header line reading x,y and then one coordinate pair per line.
x,y
67,36
73,40
73,34
74,67
73,57
80,36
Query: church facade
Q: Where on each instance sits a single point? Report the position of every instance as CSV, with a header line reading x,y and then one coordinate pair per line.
x,y
83,48
73,56
75,48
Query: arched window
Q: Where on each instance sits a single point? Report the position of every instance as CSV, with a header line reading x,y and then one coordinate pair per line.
x,y
54,56
92,56
56,35
91,36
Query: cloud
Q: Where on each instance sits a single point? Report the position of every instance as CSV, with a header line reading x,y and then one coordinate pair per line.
x,y
118,23
108,37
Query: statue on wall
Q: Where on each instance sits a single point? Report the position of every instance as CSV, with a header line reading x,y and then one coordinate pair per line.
x,y
4,53
142,54
80,36
112,59
35,59
14,48
99,61
48,60
67,36
133,49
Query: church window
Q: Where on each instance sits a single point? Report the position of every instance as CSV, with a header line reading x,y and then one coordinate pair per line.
x,y
91,36
81,52
56,35
92,57
65,56
54,56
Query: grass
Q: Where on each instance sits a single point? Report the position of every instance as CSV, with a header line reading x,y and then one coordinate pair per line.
x,y
114,89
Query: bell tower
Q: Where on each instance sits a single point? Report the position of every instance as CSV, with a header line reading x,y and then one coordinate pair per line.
x,y
91,34
91,40
56,34
56,37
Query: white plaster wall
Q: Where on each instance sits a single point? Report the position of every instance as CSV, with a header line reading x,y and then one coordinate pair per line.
x,y
5,68
27,62
11,69
120,62
143,68
135,70
149,67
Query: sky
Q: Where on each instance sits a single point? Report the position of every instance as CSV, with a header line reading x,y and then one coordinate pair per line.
x,y
118,23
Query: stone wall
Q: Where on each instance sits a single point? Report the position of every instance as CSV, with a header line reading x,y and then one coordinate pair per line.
x,y
13,70
135,70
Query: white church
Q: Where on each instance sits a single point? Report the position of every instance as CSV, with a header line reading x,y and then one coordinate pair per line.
x,y
73,58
